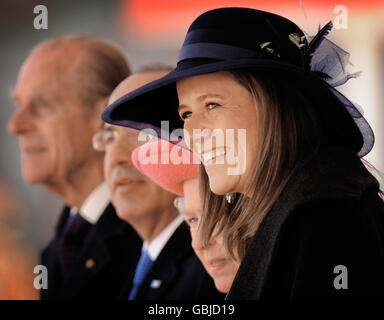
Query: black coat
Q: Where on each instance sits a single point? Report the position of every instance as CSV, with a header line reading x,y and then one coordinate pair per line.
x,y
329,214
111,244
181,273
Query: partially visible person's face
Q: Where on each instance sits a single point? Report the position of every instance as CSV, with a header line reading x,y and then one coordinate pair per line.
x,y
134,195
215,258
54,128
217,102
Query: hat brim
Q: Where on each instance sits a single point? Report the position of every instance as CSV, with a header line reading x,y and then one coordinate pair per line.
x,y
166,164
157,101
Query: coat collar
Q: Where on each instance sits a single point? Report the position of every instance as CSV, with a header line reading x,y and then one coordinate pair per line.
x,y
103,246
331,174
167,265
335,173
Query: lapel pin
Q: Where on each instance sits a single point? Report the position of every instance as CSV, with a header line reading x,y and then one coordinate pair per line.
x,y
90,264
155,284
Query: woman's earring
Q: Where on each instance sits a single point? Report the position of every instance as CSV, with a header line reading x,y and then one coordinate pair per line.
x,y
230,197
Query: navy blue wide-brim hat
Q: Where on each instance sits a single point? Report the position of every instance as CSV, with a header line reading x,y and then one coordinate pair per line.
x,y
243,38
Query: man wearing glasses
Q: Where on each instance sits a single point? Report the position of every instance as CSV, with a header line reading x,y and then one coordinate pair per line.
x,y
168,269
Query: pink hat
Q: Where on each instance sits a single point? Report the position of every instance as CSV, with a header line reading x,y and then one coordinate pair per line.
x,y
167,164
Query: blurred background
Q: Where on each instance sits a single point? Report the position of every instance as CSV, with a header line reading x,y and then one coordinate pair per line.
x,y
153,31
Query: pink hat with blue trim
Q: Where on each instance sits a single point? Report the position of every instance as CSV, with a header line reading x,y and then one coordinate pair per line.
x,y
166,164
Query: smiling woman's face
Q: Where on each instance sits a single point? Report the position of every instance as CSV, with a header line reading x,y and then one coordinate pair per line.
x,y
214,256
220,126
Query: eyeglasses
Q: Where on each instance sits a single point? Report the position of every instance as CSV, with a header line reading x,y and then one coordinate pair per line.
x,y
108,135
102,139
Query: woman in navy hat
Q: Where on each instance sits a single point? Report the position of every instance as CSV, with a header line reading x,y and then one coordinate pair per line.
x,y
288,189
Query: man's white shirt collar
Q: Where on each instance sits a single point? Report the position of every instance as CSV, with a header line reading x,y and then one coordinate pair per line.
x,y
94,205
157,244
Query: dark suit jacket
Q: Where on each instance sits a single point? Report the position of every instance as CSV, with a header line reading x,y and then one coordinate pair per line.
x,y
181,273
111,245
329,214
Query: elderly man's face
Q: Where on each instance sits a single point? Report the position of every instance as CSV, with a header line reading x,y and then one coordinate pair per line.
x,y
134,195
54,128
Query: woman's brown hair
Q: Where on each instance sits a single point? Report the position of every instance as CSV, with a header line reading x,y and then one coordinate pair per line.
x,y
290,131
